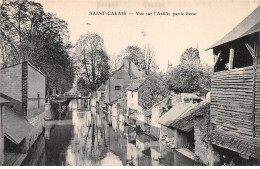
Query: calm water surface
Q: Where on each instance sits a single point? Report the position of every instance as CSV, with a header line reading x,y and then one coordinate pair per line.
x,y
85,138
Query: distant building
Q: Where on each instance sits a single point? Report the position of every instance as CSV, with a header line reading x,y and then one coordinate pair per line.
x,y
121,79
178,136
134,110
100,95
158,110
115,88
190,98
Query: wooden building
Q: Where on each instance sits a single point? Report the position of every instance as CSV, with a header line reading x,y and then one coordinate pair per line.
x,y
235,91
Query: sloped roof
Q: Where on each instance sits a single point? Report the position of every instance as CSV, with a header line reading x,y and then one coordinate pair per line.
x,y
73,90
185,122
248,26
2,100
102,88
38,70
114,101
249,147
15,127
136,84
174,99
189,95
176,112
135,71
30,64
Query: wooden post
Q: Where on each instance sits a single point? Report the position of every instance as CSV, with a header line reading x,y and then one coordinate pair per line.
x,y
216,57
253,53
1,135
253,100
231,58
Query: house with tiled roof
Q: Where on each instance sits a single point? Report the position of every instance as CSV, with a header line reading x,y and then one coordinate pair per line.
x,y
120,79
183,128
115,87
157,110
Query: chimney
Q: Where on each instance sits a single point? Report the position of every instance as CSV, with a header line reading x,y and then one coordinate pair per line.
x,y
127,64
129,68
126,61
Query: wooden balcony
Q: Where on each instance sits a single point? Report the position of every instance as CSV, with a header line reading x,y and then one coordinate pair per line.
x,y
235,102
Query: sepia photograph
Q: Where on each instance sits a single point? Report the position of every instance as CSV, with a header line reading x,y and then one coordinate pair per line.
x,y
129,83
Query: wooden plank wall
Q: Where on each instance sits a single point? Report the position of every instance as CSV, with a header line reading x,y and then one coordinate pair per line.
x,y
257,103
231,101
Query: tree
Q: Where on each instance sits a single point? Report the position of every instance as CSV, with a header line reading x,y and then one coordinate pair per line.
x,y
93,60
135,55
149,63
152,91
82,85
115,62
144,59
189,78
27,33
190,56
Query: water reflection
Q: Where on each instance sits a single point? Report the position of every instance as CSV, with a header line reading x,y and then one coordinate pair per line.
x,y
91,138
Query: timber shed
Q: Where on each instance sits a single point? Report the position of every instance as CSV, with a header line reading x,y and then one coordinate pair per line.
x,y
235,89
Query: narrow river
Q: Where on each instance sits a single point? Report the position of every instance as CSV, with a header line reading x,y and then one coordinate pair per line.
x,y
85,138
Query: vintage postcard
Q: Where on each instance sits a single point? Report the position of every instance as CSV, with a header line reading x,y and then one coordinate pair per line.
x,y
129,83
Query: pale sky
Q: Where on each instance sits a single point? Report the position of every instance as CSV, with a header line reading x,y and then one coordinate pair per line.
x,y
169,35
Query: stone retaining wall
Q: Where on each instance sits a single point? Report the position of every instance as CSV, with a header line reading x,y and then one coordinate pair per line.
x,y
200,129
38,122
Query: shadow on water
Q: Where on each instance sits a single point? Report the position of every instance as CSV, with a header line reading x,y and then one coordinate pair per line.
x,y
86,138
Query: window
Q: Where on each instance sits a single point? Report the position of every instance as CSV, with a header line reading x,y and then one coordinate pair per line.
x,y
186,100
117,87
132,94
102,97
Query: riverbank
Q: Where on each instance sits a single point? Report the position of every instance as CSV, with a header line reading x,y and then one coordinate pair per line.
x,y
86,138
15,156
184,151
